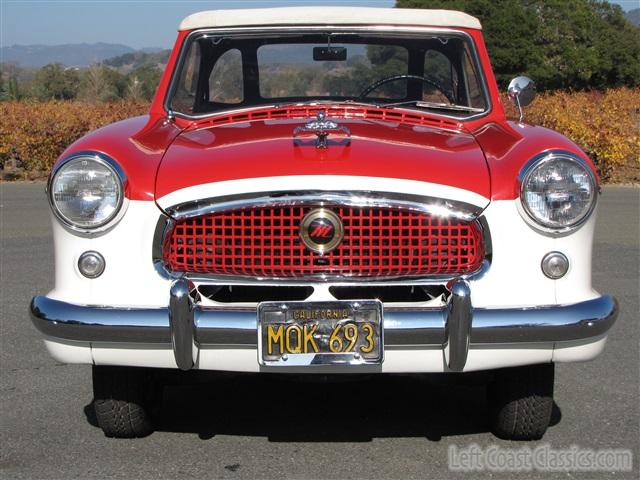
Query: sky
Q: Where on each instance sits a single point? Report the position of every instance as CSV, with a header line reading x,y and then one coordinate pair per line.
x,y
138,24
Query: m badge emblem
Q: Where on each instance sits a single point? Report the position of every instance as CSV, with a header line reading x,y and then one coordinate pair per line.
x,y
321,230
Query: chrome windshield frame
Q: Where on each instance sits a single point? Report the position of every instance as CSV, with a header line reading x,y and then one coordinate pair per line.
x,y
386,30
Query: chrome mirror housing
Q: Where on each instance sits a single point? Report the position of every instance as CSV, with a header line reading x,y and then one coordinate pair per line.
x,y
522,91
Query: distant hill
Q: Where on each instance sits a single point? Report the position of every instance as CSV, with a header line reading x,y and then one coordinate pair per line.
x,y
71,55
153,49
139,58
633,16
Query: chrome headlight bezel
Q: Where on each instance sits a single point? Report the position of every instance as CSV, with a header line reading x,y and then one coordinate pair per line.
x,y
121,205
523,207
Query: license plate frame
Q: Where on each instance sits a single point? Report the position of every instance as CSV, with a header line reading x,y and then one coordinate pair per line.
x,y
356,312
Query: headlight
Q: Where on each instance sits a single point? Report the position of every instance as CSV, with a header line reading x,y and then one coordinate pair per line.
x,y
86,191
558,191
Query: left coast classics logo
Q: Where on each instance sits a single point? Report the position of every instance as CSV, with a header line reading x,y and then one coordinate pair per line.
x,y
321,230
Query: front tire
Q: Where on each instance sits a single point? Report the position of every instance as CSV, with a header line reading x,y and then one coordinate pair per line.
x,y
122,400
521,401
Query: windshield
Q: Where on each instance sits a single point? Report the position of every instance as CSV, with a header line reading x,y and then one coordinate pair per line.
x,y
236,71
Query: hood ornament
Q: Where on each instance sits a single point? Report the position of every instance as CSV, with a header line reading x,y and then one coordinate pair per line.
x,y
322,127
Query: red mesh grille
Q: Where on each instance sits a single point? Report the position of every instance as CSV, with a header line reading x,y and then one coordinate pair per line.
x,y
377,242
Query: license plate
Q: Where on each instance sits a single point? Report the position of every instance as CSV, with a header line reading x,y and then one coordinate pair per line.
x,y
320,333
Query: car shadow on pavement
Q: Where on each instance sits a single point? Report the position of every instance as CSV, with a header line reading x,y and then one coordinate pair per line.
x,y
286,408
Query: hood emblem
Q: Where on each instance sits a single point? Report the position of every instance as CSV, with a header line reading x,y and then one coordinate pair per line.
x,y
322,127
321,230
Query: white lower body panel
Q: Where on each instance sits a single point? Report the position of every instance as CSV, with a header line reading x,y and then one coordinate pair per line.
x,y
513,280
406,360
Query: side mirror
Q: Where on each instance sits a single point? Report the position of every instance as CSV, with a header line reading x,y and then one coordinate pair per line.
x,y
522,91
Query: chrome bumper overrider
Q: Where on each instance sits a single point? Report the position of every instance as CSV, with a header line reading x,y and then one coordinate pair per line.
x,y
454,327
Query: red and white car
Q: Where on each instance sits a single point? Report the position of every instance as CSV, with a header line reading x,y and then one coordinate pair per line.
x,y
325,190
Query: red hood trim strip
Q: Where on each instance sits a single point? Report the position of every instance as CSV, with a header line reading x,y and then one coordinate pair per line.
x,y
339,111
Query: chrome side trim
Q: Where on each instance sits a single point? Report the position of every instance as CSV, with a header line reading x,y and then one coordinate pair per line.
x,y
408,327
424,204
181,324
458,327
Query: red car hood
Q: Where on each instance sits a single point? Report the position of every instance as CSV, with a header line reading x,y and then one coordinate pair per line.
x,y
377,149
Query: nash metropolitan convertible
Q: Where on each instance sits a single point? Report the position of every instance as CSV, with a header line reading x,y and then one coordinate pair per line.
x,y
325,190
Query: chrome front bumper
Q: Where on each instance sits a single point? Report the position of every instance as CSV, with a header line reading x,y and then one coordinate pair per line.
x,y
454,327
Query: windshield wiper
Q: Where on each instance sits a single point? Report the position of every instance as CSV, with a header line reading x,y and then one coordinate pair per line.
x,y
363,104
435,106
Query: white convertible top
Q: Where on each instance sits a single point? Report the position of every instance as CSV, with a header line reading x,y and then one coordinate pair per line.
x,y
328,15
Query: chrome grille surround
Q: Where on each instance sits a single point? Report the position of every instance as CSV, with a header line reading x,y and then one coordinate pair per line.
x,y
364,199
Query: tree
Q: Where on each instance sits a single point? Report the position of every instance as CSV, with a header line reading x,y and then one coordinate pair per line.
x,y
623,60
134,88
148,77
103,84
560,43
13,89
53,81
12,81
117,82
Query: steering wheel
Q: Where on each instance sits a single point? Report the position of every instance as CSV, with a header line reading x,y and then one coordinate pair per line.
x,y
394,78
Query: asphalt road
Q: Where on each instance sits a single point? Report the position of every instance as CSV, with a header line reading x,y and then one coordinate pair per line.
x,y
249,426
